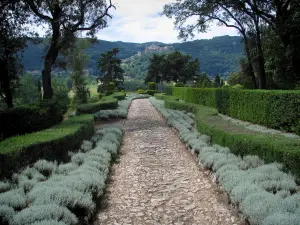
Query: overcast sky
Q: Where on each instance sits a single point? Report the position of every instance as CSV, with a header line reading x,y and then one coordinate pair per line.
x,y
139,21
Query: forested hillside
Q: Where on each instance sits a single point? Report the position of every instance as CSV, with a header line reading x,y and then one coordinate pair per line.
x,y
217,55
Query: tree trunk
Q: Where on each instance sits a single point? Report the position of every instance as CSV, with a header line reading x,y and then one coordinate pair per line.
x,y
4,83
7,91
50,60
261,58
253,78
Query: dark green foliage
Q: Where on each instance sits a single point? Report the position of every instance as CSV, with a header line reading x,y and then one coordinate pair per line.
x,y
275,109
241,141
203,81
179,84
29,118
110,66
146,92
133,85
217,81
151,86
95,107
119,95
52,144
174,66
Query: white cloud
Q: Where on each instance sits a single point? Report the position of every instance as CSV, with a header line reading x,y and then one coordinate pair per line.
x,y
138,21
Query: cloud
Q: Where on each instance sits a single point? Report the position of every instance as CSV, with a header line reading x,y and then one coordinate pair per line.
x,y
139,21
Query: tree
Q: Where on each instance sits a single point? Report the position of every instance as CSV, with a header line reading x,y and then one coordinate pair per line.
x,y
180,67
203,81
12,42
283,18
110,66
175,66
156,69
65,19
226,13
77,62
217,81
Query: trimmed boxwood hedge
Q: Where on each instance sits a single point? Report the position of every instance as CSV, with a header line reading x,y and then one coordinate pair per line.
x,y
29,118
119,95
276,109
270,148
90,108
51,144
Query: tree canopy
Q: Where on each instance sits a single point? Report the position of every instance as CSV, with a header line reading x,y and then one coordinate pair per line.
x,y
110,67
174,66
250,18
65,19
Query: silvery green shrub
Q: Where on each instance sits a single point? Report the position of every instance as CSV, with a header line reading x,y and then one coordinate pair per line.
x,y
258,206
14,198
4,186
242,190
253,161
65,168
38,213
68,197
49,222
86,146
282,219
292,203
6,213
78,158
45,167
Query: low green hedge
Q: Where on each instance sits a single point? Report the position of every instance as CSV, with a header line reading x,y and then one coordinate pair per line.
x,y
276,109
119,95
51,144
242,141
90,108
29,118
147,92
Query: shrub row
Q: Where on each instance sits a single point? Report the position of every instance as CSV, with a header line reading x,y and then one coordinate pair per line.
x,y
271,148
119,95
51,193
53,143
90,108
121,111
147,92
29,118
276,109
264,194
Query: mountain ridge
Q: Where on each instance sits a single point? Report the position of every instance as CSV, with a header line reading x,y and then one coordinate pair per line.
x,y
217,55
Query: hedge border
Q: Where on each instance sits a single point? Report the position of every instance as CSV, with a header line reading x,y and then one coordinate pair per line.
x,y
51,144
269,148
90,108
277,109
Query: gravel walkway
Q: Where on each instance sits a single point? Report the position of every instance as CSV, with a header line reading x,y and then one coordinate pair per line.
x,y
157,181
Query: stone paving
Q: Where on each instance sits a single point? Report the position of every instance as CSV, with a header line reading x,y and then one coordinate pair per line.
x,y
157,181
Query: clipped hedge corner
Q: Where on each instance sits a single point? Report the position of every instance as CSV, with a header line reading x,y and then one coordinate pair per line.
x,y
52,144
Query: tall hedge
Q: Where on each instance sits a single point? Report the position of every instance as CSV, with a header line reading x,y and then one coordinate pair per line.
x,y
29,118
276,109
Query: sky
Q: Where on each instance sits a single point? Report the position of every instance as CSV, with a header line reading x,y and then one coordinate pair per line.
x,y
139,21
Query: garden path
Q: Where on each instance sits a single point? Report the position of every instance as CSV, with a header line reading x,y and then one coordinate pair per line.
x,y
157,181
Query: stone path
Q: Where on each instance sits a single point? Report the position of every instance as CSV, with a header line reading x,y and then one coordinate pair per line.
x,y
157,181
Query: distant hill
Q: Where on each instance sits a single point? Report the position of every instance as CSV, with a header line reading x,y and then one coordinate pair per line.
x,y
217,55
